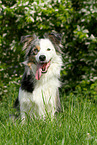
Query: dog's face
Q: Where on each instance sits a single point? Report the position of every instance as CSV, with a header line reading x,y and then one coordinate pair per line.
x,y
46,51
39,54
43,57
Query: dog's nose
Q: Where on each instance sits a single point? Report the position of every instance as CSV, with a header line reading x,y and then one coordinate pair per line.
x,y
42,57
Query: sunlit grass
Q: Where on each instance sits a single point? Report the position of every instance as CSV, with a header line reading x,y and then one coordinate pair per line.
x,y
75,125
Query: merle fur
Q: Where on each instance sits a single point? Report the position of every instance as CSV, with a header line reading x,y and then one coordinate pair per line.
x,y
28,80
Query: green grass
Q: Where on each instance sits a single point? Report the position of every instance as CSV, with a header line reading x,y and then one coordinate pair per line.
x,y
76,125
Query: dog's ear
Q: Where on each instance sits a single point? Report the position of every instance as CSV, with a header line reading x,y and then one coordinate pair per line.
x,y
27,40
55,38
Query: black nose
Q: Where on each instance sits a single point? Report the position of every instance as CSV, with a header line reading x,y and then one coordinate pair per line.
x,y
42,57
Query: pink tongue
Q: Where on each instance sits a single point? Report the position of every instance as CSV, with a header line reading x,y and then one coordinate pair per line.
x,y
38,71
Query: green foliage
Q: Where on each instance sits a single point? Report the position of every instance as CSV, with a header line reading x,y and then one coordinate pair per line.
x,y
87,90
75,20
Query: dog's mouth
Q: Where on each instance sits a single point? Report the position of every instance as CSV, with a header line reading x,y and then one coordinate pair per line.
x,y
41,68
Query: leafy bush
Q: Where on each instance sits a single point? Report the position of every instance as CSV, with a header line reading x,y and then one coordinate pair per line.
x,y
75,20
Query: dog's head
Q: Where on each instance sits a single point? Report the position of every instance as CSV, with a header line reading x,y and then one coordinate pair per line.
x,y
40,52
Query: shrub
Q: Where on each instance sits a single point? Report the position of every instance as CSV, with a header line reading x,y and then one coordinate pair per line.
x,y
75,20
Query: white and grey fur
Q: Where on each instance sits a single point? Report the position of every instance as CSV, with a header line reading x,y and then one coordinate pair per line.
x,y
40,97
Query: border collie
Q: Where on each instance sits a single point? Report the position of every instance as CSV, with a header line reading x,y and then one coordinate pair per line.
x,y
38,94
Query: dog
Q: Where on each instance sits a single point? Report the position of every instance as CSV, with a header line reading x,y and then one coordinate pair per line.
x,y
38,94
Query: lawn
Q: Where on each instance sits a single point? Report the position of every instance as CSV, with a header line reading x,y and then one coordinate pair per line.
x,y
75,125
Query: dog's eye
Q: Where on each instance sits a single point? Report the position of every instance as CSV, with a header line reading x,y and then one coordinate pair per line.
x,y
48,49
35,51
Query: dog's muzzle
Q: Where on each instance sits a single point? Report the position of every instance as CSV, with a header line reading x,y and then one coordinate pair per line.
x,y
42,66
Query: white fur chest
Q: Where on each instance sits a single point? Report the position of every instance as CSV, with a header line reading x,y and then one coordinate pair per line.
x,y
42,100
